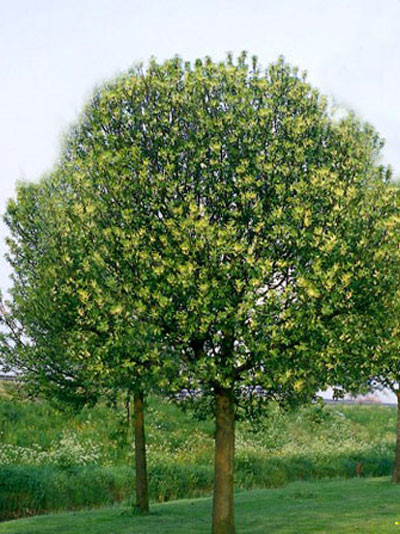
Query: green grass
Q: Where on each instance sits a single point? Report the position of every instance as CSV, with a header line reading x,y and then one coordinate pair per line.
x,y
368,506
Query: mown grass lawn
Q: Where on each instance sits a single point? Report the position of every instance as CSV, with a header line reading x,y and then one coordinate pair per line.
x,y
359,505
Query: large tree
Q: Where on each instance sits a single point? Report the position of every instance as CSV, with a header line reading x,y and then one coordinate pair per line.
x,y
244,221
238,222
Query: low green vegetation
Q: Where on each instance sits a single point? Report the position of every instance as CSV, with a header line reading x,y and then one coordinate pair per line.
x,y
353,506
52,460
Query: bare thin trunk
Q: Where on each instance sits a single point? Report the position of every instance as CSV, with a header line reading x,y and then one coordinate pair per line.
x,y
396,470
223,520
142,494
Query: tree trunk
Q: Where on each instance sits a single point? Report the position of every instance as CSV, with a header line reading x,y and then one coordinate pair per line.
x,y
223,521
396,470
142,494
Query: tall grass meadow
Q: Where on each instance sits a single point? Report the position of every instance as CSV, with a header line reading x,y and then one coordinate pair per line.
x,y
51,460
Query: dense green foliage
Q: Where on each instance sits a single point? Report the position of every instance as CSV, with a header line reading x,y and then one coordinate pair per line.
x,y
311,443
356,506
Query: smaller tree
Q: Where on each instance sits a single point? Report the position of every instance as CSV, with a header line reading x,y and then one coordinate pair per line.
x,y
373,362
64,327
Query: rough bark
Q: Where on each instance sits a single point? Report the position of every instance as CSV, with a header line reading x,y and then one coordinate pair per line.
x,y
142,494
223,521
396,470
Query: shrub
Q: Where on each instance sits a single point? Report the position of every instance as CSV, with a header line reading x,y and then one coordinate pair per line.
x,y
33,490
67,452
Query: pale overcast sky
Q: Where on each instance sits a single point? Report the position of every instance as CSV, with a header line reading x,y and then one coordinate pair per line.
x,y
52,53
